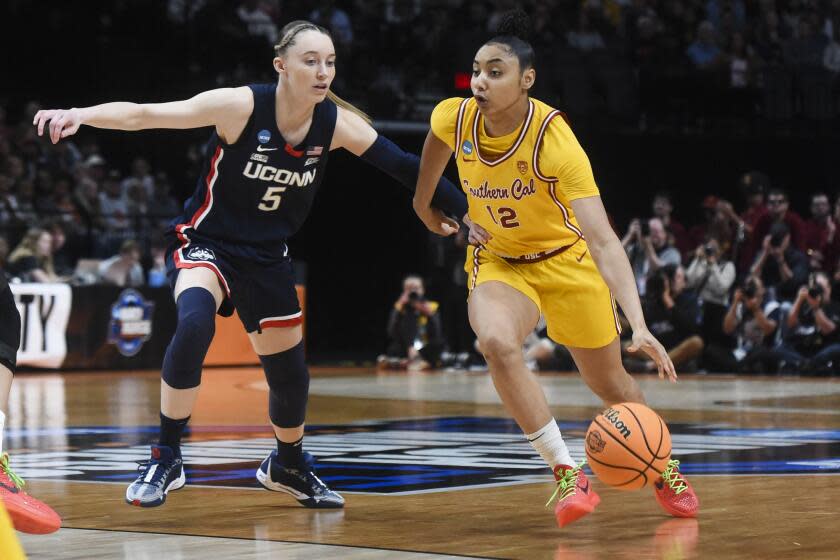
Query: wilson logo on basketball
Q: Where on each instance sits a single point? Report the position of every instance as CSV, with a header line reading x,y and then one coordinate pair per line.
x,y
594,442
612,417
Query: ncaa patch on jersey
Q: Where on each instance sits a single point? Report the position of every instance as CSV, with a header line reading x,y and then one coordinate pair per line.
x,y
467,147
201,254
263,136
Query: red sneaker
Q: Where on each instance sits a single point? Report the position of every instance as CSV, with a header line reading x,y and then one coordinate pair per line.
x,y
575,496
28,514
675,494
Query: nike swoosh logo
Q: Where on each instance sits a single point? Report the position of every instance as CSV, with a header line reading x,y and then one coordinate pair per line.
x,y
580,258
261,149
12,489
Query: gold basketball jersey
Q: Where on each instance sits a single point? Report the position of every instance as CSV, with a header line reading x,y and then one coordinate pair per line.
x,y
519,186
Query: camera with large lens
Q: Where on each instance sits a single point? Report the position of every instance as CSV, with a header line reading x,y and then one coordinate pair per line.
x,y
708,249
777,234
750,288
644,226
815,291
414,297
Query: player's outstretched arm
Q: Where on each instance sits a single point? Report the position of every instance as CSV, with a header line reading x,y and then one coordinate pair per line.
x,y
611,259
433,161
227,109
358,137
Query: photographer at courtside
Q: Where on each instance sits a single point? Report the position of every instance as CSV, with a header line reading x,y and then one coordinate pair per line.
x,y
648,249
780,265
711,275
415,337
812,342
751,322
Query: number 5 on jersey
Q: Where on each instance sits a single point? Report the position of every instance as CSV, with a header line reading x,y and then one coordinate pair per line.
x,y
507,217
271,199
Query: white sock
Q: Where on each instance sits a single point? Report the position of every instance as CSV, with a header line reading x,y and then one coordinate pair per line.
x,y
548,442
2,427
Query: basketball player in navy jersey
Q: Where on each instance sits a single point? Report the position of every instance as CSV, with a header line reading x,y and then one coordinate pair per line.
x,y
266,158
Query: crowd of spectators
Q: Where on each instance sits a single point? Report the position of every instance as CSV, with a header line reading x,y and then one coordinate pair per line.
x,y
646,63
753,292
64,204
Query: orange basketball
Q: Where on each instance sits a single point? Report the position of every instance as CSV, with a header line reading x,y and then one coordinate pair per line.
x,y
628,446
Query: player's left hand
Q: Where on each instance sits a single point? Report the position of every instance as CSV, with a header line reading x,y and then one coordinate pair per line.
x,y
438,222
643,340
478,235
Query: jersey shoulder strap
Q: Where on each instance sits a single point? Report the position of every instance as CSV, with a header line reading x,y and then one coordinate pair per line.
x,y
323,124
263,102
263,113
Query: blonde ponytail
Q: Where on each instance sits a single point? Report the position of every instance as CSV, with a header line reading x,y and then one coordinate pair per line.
x,y
349,107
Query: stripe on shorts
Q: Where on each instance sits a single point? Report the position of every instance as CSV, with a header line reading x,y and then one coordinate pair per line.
x,y
181,262
475,267
615,314
284,321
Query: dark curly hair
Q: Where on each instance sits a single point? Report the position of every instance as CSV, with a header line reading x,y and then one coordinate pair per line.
x,y
512,33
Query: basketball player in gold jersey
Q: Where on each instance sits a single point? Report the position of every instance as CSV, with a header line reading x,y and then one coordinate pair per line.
x,y
543,244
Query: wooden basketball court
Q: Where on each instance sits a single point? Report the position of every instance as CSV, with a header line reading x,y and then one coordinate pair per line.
x,y
430,467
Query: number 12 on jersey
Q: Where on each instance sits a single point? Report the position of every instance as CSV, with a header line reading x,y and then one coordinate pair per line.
x,y
507,217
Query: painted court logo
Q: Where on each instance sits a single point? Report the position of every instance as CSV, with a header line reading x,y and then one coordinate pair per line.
x,y
405,456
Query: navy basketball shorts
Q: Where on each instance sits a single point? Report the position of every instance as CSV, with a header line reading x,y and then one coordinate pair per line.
x,y
262,292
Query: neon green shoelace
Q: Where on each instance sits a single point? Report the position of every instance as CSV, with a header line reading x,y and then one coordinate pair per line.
x,y
566,484
672,477
4,465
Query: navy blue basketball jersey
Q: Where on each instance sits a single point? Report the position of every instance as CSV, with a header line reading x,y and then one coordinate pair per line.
x,y
255,193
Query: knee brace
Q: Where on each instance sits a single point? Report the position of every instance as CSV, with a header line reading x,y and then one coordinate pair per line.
x,y
288,383
9,329
195,330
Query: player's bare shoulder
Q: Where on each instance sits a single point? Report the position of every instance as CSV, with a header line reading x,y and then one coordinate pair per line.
x,y
235,108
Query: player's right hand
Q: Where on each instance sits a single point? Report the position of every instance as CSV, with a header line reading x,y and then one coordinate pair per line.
x,y
63,122
643,340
